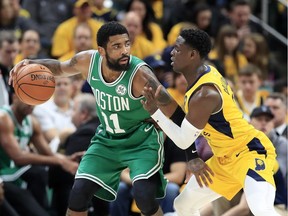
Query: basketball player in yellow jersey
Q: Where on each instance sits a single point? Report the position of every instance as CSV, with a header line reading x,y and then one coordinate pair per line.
x,y
243,156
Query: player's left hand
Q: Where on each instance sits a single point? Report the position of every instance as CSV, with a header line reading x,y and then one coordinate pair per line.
x,y
150,104
201,171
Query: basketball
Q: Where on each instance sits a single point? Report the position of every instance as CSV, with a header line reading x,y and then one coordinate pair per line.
x,y
34,84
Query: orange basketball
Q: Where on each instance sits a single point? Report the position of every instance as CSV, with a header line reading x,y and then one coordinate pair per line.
x,y
34,84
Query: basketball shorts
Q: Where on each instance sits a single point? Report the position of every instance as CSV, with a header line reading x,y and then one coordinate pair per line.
x,y
257,160
106,157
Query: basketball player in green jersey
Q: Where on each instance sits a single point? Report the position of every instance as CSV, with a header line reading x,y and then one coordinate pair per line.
x,y
125,138
243,156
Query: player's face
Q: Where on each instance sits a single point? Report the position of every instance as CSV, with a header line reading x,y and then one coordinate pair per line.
x,y
180,55
117,52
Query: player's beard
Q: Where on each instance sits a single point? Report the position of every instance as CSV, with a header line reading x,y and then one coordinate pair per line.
x,y
115,65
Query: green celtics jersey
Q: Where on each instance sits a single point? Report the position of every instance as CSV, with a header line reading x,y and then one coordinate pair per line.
x,y
22,132
118,110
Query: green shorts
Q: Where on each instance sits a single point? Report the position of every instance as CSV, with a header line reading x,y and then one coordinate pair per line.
x,y
106,157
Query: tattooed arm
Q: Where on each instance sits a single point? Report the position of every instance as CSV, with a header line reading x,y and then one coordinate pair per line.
x,y
78,64
145,78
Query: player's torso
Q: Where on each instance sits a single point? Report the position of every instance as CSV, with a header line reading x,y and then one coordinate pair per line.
x,y
226,130
118,110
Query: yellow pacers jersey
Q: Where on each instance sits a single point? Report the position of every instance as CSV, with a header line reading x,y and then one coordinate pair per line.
x,y
226,130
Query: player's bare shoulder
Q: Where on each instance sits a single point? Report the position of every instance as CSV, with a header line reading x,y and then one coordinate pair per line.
x,y
81,61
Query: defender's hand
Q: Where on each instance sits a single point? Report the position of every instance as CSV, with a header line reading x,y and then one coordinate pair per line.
x,y
15,70
201,171
151,99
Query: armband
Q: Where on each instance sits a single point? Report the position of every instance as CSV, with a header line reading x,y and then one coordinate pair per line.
x,y
178,116
191,152
182,136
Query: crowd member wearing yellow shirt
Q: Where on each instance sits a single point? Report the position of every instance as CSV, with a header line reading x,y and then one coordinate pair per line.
x,y
82,40
63,36
225,54
140,46
150,29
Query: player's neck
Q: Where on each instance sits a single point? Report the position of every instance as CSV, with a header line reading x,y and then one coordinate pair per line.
x,y
193,74
109,75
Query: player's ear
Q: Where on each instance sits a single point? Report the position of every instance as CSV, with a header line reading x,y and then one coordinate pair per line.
x,y
101,51
194,53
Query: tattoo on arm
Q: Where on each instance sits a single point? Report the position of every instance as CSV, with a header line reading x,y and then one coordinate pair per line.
x,y
164,98
73,61
51,64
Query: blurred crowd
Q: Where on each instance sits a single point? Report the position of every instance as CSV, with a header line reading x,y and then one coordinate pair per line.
x,y
37,170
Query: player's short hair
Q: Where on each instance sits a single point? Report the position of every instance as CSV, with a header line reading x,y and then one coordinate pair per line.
x,y
197,39
109,29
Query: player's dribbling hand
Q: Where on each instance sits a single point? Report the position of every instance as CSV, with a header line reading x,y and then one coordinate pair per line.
x,y
15,69
201,171
150,104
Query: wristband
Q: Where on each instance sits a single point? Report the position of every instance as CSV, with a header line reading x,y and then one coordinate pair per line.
x,y
191,152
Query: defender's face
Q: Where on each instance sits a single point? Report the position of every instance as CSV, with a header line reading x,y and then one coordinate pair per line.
x,y
118,52
180,55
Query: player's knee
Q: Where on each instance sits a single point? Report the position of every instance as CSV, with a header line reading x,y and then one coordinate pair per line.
x,y
81,194
144,195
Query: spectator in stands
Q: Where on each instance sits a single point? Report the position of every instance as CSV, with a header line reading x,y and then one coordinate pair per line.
x,y
150,29
77,85
239,14
17,129
63,37
82,40
86,121
200,17
48,14
11,20
9,47
248,95
55,115
29,46
102,13
255,49
225,54
140,46
277,102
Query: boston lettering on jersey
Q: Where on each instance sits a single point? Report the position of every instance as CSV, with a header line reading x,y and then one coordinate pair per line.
x,y
111,102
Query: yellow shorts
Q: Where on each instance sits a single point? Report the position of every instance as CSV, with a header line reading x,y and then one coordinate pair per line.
x,y
230,171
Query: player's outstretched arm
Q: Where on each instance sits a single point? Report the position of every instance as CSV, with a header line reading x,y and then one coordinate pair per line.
x,y
77,64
